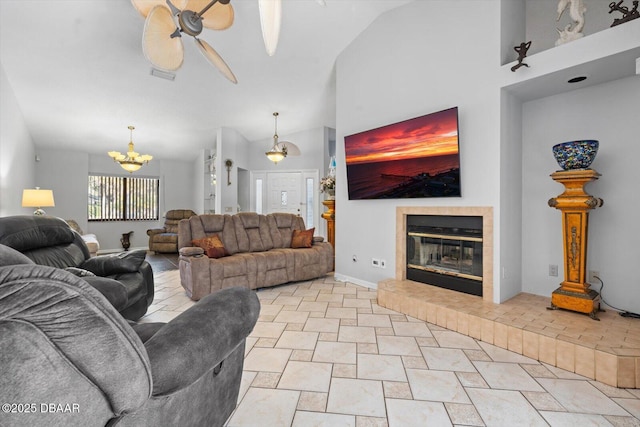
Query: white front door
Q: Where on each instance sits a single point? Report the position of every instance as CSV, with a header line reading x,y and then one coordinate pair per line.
x,y
284,193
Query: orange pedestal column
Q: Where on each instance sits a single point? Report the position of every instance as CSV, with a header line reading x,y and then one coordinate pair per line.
x,y
330,216
574,293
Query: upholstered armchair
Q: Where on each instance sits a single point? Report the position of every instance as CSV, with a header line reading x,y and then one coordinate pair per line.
x,y
165,239
67,351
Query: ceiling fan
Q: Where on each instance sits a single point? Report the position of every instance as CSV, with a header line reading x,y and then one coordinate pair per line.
x,y
162,36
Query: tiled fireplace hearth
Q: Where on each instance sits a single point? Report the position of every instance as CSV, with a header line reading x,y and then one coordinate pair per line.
x,y
607,350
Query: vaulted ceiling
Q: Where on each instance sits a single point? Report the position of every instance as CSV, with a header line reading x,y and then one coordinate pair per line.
x,y
80,77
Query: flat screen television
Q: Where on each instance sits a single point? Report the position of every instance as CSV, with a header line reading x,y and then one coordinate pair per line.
x,y
414,158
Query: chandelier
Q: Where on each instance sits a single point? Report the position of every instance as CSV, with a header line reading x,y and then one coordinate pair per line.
x,y
277,152
130,161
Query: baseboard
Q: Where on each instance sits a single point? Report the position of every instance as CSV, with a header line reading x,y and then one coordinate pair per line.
x,y
117,251
342,278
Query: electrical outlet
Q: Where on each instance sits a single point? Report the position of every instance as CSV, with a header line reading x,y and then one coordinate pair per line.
x,y
375,262
592,276
553,270
383,263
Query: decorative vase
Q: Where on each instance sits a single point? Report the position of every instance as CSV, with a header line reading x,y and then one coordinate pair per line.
x,y
331,193
575,154
126,243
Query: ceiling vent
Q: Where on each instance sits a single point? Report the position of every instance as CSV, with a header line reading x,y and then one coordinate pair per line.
x,y
163,74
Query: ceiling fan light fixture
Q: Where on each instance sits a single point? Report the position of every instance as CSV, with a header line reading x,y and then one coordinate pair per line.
x,y
270,21
275,156
130,161
277,152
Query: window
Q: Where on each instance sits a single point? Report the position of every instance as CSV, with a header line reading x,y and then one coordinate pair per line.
x,y
120,198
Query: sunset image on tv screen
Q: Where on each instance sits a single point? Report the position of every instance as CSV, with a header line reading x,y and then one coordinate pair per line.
x,y
413,158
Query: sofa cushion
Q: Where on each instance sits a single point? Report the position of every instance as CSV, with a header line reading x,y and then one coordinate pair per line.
x,y
281,226
202,226
302,238
252,232
24,233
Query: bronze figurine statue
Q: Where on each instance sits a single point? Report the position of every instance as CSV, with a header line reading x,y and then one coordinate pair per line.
x,y
522,53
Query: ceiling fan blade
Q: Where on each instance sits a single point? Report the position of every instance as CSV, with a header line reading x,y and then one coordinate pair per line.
x,y
215,59
145,6
219,17
158,46
270,18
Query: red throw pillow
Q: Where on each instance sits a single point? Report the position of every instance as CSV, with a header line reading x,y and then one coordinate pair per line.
x,y
216,252
302,238
212,245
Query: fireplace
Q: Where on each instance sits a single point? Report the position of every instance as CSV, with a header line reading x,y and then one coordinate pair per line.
x,y
445,251
472,259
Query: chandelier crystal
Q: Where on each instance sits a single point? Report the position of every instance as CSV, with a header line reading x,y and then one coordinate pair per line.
x,y
276,154
130,161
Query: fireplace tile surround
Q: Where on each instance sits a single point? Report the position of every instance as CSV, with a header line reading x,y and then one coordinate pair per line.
x,y
607,351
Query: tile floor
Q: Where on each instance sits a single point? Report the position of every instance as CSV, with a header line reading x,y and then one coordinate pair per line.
x,y
323,353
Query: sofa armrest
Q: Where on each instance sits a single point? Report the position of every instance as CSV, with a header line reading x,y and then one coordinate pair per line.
x,y
199,339
153,231
191,251
318,239
120,263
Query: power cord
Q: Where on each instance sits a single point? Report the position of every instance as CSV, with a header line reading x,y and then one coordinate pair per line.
x,y
623,313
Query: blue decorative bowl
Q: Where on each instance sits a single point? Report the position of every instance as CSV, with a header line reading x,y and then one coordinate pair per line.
x,y
575,154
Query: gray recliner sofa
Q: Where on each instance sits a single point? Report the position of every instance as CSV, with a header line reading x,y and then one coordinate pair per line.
x,y
126,279
67,358
259,252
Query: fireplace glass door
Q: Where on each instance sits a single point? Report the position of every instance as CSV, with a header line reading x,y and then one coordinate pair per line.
x,y
445,251
446,254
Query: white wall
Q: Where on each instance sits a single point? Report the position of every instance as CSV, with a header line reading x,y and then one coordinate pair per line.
x,y
412,61
510,218
17,153
66,174
608,113
231,145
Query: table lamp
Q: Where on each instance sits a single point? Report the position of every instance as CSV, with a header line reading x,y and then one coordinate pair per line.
x,y
37,198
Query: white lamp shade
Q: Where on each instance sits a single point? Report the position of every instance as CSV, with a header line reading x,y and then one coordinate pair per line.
x,y
37,198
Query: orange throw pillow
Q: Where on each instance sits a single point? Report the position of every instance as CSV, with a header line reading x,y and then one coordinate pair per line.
x,y
212,245
302,238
